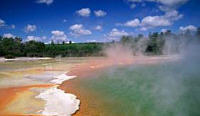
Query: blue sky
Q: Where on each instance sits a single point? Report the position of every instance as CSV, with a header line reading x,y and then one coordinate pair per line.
x,y
94,20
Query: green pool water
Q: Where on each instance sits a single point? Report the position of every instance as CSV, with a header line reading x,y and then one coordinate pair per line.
x,y
168,89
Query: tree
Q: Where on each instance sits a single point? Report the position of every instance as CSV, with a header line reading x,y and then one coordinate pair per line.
x,y
34,48
155,44
11,46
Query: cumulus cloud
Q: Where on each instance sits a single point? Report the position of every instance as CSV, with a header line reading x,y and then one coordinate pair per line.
x,y
8,35
188,28
78,30
155,21
164,20
2,23
85,12
165,5
116,34
35,38
168,5
100,13
58,36
30,28
76,27
132,23
48,2
98,27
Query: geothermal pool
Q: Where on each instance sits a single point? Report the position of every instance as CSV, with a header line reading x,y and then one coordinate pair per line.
x,y
165,89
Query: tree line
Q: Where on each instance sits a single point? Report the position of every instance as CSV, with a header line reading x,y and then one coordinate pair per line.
x,y
14,47
154,44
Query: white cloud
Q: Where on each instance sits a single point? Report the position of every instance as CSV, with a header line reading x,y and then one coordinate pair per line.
x,y
57,33
76,27
91,41
48,2
98,27
8,35
168,5
159,21
170,2
78,30
100,13
85,12
173,15
165,5
2,23
163,30
164,20
163,2
132,23
116,34
58,36
30,28
154,21
189,27
35,38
